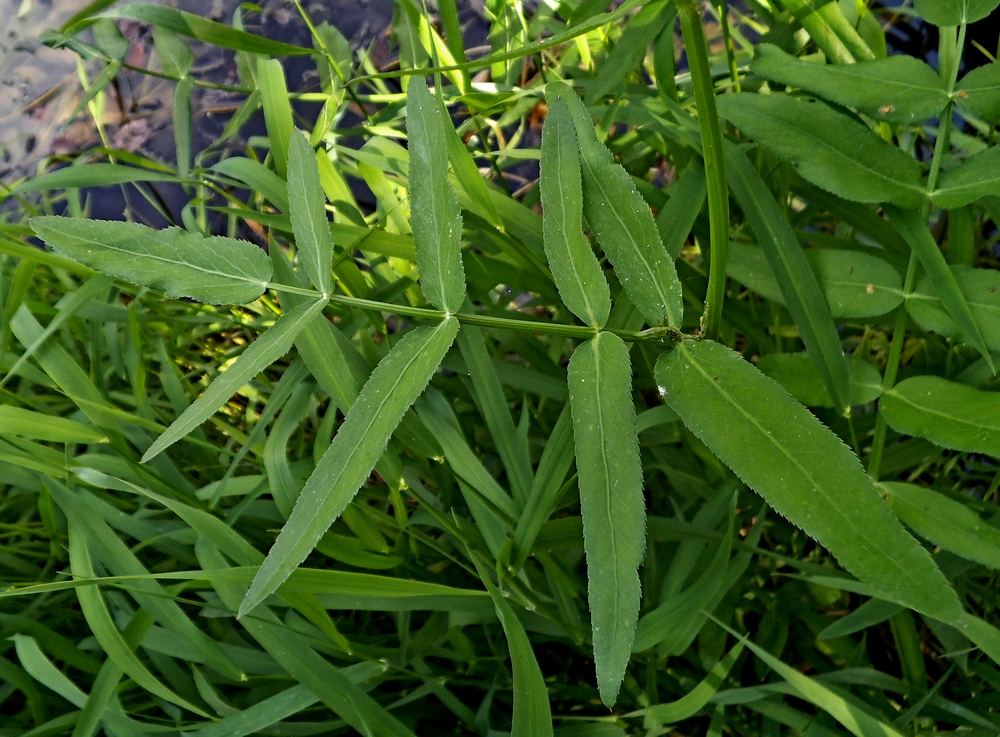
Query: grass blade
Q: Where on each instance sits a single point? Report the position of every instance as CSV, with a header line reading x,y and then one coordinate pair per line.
x,y
699,696
623,223
394,385
435,217
532,714
677,217
912,227
306,208
27,424
802,470
795,277
268,348
614,513
277,111
92,175
574,266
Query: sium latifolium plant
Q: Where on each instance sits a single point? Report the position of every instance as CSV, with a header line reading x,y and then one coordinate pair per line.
x,y
600,415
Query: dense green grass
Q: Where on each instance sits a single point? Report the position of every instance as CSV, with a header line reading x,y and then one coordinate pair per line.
x,y
706,447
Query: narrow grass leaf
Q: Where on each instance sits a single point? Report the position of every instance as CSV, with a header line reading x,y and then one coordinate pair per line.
x,y
977,176
614,513
268,348
802,470
306,207
829,149
979,92
981,288
897,89
796,279
913,228
622,222
181,264
95,611
194,26
954,12
261,715
258,177
948,414
39,667
577,273
532,714
394,385
678,216
945,522
92,175
854,717
696,699
28,424
277,111
435,216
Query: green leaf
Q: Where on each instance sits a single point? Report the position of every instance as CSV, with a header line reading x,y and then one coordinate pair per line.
x,y
981,288
532,714
977,176
829,149
39,667
954,12
194,26
622,222
260,179
434,213
855,284
803,470
897,89
176,56
92,175
798,376
306,207
28,424
948,414
182,264
944,522
979,92
850,713
696,699
614,513
394,385
268,348
912,227
678,216
574,266
795,277
277,111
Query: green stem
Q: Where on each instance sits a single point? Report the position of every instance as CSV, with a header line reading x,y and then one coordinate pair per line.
x,y
819,31
844,31
727,37
892,367
715,169
659,336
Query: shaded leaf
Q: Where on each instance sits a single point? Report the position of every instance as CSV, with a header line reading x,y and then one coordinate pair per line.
x,y
948,414
954,12
829,149
798,376
981,288
898,89
977,176
979,92
944,522
795,277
